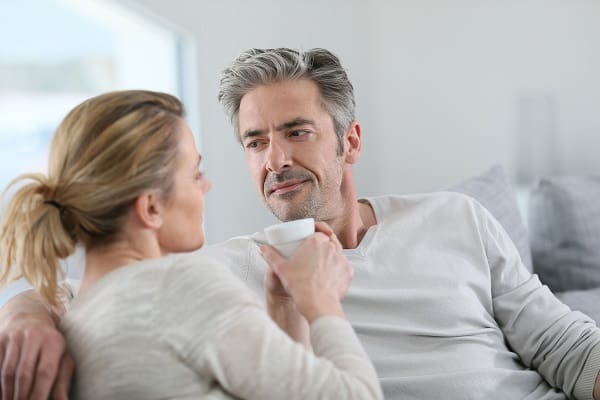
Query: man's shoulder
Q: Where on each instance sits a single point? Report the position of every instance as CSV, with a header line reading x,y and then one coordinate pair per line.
x,y
237,253
440,202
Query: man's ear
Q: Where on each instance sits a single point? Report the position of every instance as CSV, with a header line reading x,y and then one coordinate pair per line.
x,y
149,210
352,143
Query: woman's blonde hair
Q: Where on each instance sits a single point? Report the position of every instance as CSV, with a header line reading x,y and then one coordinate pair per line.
x,y
105,153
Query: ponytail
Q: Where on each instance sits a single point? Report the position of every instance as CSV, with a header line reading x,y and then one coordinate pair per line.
x,y
105,153
33,237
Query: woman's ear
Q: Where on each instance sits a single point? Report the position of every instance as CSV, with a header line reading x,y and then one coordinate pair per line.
x,y
352,143
149,210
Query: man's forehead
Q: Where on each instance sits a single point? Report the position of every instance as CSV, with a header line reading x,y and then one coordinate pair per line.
x,y
280,103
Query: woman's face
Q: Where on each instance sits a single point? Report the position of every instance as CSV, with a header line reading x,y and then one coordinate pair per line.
x,y
182,229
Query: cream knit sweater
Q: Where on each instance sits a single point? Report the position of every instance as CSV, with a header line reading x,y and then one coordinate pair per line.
x,y
185,327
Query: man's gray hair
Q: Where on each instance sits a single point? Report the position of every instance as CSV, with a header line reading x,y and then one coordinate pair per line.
x,y
256,67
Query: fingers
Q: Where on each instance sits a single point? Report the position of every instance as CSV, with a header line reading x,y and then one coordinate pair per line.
x,y
9,366
2,352
27,366
347,281
48,367
30,351
63,380
336,242
271,256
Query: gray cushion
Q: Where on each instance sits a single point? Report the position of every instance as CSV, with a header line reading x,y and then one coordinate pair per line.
x,y
493,190
585,301
564,221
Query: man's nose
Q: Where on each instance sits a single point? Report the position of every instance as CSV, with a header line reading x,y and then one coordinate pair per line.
x,y
278,157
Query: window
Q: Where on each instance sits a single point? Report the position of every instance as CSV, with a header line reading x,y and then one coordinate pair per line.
x,y
56,53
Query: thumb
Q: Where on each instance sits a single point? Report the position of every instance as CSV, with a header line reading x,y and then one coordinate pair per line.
x,y
323,227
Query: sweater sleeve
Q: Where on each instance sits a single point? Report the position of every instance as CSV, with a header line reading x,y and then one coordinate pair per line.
x,y
561,344
217,326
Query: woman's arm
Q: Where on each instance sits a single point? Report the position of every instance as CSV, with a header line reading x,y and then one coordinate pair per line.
x,y
253,359
219,328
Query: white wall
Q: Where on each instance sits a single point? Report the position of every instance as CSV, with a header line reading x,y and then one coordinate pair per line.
x,y
444,89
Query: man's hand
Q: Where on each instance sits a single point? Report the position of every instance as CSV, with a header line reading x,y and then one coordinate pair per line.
x,y
35,363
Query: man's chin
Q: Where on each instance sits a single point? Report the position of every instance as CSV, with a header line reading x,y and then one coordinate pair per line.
x,y
289,212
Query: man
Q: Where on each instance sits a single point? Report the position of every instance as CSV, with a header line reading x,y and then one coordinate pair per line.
x,y
440,298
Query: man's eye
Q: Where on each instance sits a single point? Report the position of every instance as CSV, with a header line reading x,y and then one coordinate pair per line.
x,y
252,145
298,133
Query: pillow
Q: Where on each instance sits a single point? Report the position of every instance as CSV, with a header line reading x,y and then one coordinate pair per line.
x,y
564,221
493,190
585,301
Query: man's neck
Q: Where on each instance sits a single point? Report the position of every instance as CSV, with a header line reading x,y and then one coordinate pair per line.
x,y
354,224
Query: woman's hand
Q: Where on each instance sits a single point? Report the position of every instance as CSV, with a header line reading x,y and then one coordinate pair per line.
x,y
317,276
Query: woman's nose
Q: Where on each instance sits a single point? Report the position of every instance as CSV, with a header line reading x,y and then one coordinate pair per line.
x,y
207,185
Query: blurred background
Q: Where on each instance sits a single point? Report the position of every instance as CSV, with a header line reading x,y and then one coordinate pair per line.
x,y
444,89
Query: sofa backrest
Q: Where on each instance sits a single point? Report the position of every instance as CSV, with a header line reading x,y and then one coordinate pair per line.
x,y
564,225
494,191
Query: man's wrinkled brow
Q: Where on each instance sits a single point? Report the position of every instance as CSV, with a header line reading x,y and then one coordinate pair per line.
x,y
286,125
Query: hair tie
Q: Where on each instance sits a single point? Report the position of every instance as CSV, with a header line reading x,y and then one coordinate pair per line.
x,y
56,204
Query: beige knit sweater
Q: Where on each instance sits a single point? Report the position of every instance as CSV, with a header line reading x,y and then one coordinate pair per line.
x,y
185,327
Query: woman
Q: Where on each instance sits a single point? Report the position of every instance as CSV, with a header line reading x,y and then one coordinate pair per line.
x,y
151,321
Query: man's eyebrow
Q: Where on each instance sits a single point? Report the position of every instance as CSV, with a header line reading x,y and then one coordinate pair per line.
x,y
295,122
250,133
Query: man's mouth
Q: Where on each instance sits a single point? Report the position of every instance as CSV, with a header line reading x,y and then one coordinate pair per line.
x,y
285,187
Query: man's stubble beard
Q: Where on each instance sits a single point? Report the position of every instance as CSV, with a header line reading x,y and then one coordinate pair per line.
x,y
291,210
318,205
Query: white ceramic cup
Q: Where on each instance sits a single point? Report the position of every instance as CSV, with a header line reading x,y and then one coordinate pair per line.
x,y
287,236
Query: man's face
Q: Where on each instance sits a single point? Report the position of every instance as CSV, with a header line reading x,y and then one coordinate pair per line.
x,y
291,150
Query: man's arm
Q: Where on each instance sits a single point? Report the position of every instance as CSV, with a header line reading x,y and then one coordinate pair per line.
x,y
33,354
562,345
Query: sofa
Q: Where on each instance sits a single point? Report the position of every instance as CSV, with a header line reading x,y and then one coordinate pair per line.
x,y
561,240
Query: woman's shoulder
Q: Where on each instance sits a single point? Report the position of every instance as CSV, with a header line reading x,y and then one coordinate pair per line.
x,y
198,297
197,277
198,265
